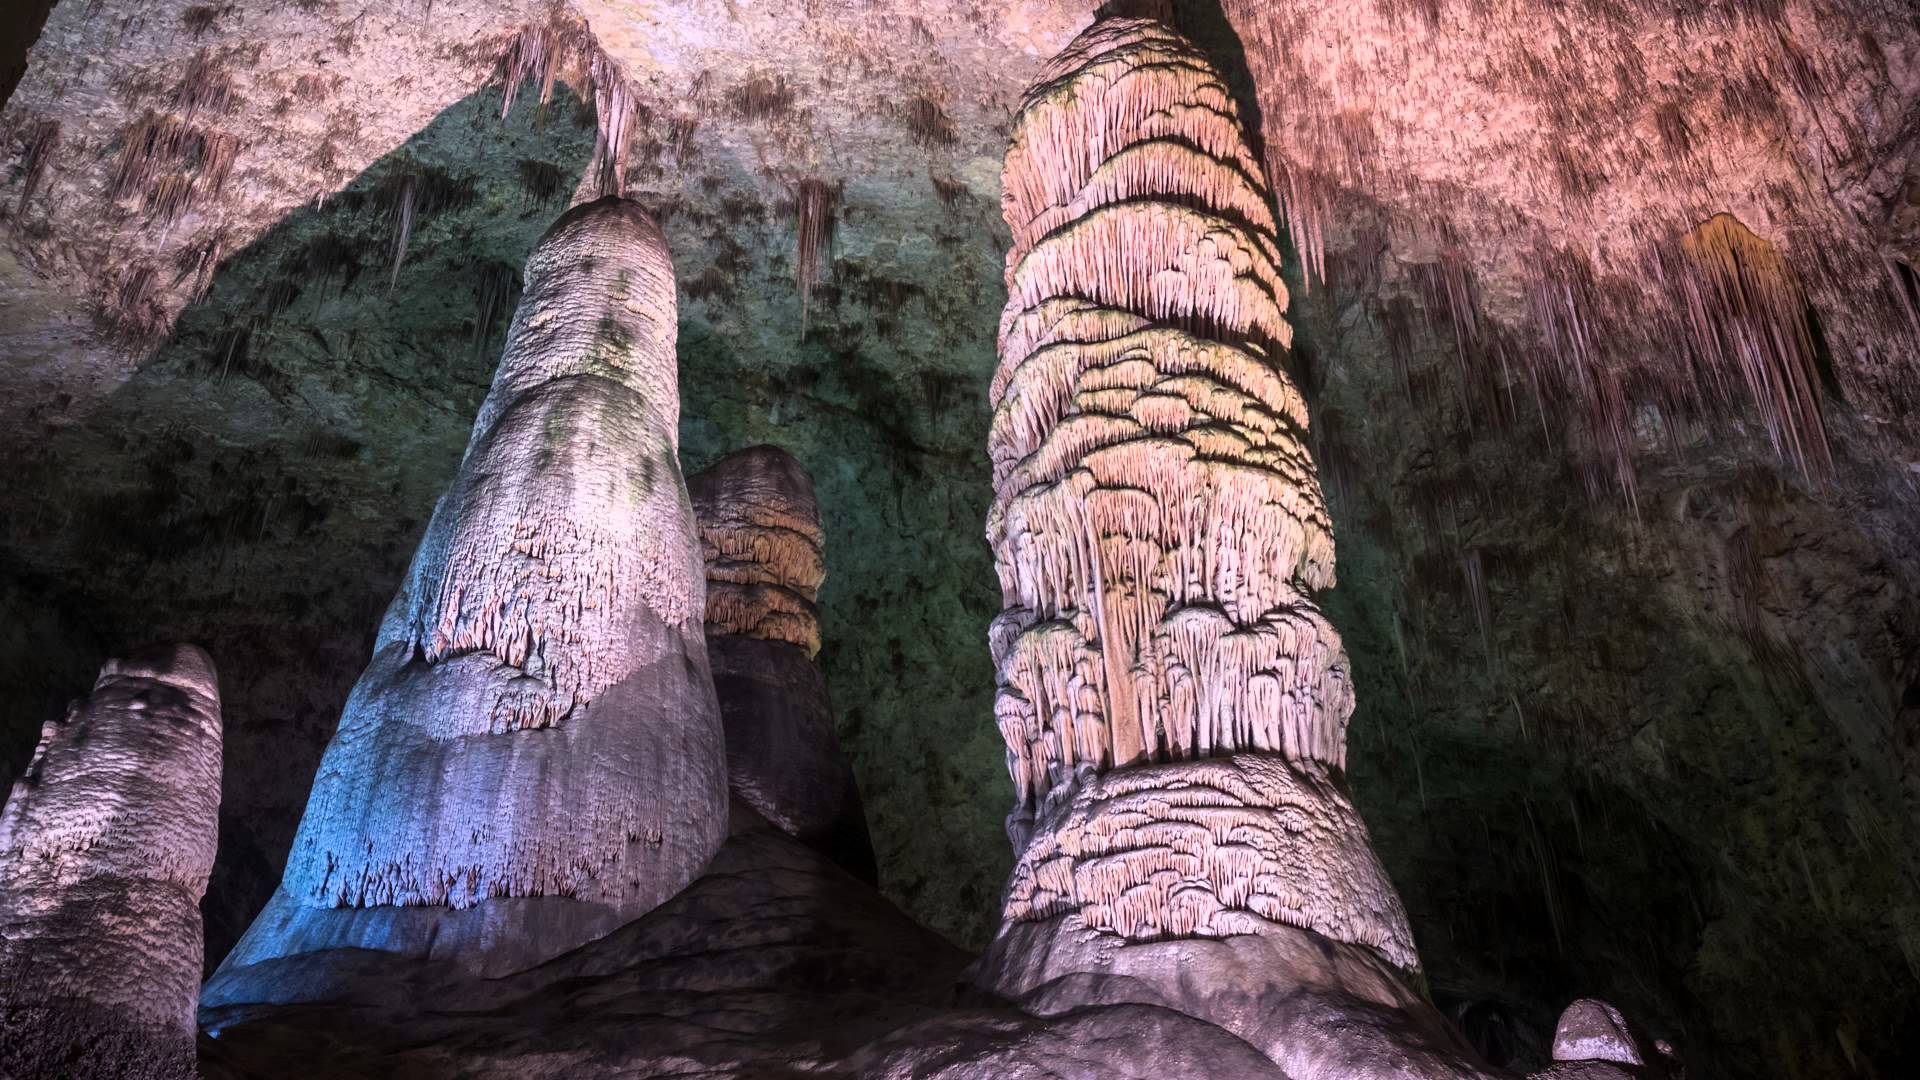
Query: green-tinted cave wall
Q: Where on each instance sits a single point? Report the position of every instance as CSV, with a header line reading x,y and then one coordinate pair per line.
x,y
1612,786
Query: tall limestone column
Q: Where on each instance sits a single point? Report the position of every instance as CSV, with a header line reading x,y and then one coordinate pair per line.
x,y
105,848
534,757
760,533
1173,701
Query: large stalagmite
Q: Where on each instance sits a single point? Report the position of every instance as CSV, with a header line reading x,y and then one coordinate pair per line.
x,y
105,848
1173,702
765,553
534,757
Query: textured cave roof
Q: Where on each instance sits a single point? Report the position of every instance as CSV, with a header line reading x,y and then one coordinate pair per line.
x,y
1659,751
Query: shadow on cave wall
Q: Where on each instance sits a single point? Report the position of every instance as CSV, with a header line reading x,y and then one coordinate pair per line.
x,y
20,25
1601,754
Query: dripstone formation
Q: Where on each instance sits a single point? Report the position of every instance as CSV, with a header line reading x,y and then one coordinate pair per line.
x,y
534,757
105,847
1174,704
765,554
586,815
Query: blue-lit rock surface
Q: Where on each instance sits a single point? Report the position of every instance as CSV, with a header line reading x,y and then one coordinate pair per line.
x,y
534,757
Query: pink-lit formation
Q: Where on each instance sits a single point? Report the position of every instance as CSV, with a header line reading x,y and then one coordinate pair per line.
x,y
1157,524
764,550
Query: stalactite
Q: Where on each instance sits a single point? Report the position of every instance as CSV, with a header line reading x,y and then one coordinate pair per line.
x,y
42,140
616,108
563,49
815,207
172,164
1173,703
1747,315
403,212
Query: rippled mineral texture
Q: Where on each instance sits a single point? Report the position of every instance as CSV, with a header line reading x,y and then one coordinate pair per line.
x,y
534,757
105,848
1173,702
765,553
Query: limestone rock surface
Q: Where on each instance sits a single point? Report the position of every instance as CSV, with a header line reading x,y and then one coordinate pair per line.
x,y
774,963
765,554
106,844
534,756
1173,702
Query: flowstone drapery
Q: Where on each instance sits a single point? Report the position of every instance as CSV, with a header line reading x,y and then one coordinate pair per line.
x,y
105,847
534,756
1173,702
765,553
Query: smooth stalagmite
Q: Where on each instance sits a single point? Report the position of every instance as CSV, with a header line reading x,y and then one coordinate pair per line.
x,y
105,847
534,757
1174,703
765,553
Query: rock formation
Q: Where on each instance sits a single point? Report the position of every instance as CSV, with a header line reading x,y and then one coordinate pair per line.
x,y
1174,704
1593,1041
1575,201
760,534
534,756
105,847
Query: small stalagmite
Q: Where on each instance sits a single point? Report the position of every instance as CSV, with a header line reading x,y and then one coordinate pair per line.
x,y
1173,701
1593,1041
534,757
105,848
765,553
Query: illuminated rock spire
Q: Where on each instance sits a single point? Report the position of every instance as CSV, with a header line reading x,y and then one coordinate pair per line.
x,y
1174,704
105,848
1158,525
534,756
766,557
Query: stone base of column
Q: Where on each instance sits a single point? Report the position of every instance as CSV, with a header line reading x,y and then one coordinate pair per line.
x,y
1241,891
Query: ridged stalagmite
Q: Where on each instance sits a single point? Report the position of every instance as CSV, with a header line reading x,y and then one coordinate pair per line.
x,y
535,756
1174,704
105,848
765,552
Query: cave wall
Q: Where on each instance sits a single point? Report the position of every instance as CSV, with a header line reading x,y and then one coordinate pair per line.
x,y
1592,743
1660,751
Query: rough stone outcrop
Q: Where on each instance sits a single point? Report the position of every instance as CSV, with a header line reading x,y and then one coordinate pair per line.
x,y
534,756
774,963
1561,223
105,847
765,553
1593,1041
1173,702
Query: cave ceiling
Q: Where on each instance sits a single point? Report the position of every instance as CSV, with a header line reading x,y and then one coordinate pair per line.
x,y
1606,312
